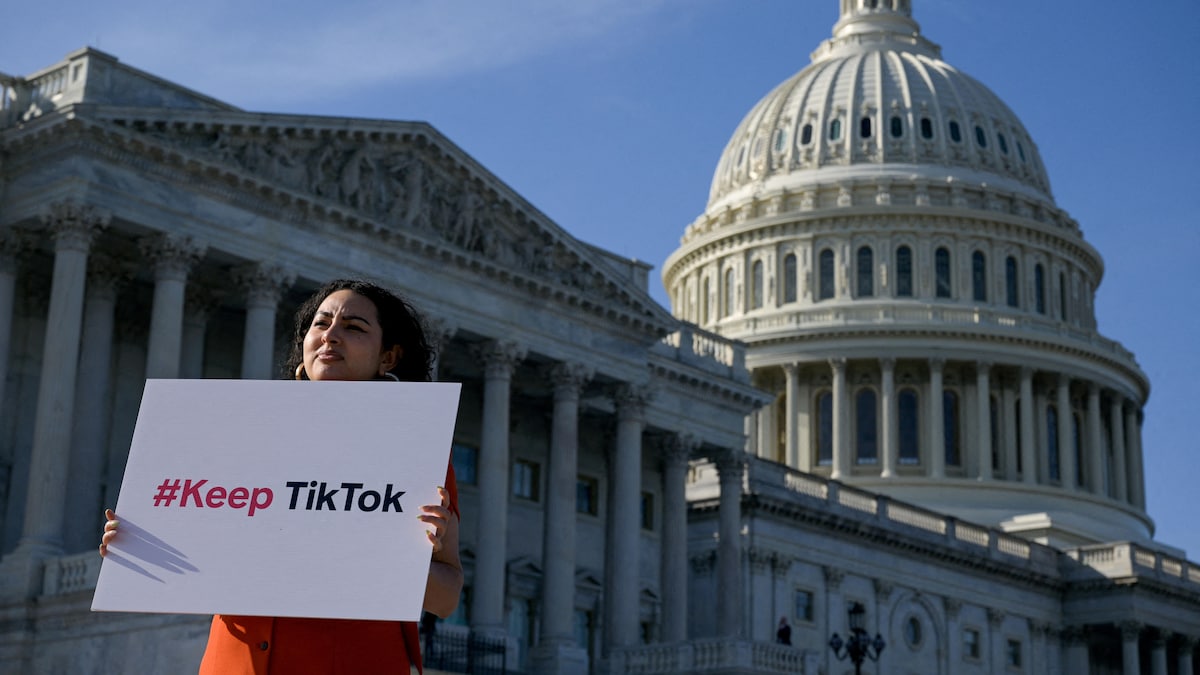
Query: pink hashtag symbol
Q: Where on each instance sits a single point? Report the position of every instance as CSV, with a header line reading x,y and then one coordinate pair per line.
x,y
166,492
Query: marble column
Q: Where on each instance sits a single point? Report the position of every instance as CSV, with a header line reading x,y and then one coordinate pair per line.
x,y
1008,403
1066,443
263,284
983,416
13,247
1133,446
199,304
731,468
841,421
676,451
89,439
1130,664
887,418
1076,649
487,601
1158,652
1028,424
791,372
1120,475
937,420
1095,444
556,651
73,227
1187,645
625,477
173,256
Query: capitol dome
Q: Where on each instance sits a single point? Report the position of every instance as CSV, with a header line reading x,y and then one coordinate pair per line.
x,y
881,234
878,94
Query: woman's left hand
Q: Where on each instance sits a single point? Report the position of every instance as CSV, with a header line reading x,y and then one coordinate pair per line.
x,y
437,515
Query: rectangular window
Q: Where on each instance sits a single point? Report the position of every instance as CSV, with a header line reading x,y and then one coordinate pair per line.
x,y
525,480
465,459
970,641
1012,654
647,511
587,490
804,605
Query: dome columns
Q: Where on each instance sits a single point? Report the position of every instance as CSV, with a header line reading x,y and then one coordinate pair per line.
x,y
933,418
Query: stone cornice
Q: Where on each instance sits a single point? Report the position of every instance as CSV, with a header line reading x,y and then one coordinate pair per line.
x,y
578,279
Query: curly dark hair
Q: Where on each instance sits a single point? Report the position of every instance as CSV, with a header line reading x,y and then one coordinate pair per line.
x,y
400,321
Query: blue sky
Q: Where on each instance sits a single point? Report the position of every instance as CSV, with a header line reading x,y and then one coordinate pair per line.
x,y
610,115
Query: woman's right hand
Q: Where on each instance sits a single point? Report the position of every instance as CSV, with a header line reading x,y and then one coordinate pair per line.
x,y
110,530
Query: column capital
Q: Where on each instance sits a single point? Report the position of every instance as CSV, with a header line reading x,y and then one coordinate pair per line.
x,y
1187,643
74,225
887,363
263,283
568,379
838,363
883,589
995,617
982,367
790,370
15,245
1074,635
499,358
106,275
438,331
937,363
1027,372
173,254
631,400
677,449
1130,630
730,462
200,299
833,576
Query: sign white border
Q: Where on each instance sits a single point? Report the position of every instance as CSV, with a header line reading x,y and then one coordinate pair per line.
x,y
321,547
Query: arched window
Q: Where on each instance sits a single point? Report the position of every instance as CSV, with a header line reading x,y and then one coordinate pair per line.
x,y
980,136
950,413
1003,143
908,418
705,298
1052,442
897,126
904,272
864,127
979,276
806,134
941,267
825,269
730,294
1011,283
835,130
1062,296
866,432
780,139
1021,151
824,428
866,272
926,128
756,284
955,132
789,278
1039,288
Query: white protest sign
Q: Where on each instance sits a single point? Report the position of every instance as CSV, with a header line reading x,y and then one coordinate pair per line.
x,y
276,498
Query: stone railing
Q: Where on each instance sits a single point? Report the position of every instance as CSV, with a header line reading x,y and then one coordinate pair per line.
x,y
778,481
1127,559
923,314
712,655
71,573
705,350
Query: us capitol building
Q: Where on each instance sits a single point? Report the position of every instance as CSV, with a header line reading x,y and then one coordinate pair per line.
x,y
880,385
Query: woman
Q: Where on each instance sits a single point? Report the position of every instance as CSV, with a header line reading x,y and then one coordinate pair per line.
x,y
347,330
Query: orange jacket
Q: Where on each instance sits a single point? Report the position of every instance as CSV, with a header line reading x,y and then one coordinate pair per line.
x,y
264,645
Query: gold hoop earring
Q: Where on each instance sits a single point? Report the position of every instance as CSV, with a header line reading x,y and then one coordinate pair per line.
x,y
300,372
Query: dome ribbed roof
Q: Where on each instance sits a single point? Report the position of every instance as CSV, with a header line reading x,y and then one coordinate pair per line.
x,y
877,100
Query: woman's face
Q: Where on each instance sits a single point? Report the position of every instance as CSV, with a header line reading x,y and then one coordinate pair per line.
x,y
345,340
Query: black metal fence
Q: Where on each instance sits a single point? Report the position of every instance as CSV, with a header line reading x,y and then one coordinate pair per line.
x,y
456,652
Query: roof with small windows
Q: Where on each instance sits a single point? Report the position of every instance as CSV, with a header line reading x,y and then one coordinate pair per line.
x,y
877,94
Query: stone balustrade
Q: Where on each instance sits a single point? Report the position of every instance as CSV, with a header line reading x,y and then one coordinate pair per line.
x,y
706,350
71,573
1128,559
712,655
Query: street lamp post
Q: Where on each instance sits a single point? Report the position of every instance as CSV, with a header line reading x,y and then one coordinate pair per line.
x,y
859,645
